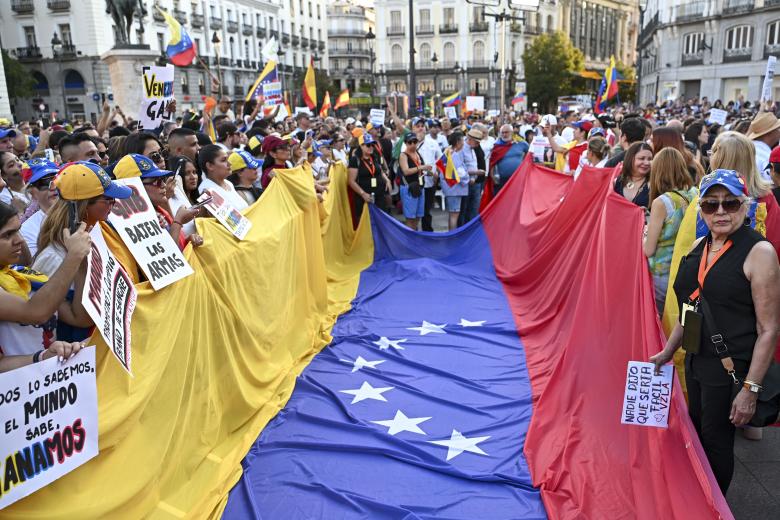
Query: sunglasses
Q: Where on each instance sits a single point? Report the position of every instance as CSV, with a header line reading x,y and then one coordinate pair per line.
x,y
155,157
708,207
47,183
103,155
158,182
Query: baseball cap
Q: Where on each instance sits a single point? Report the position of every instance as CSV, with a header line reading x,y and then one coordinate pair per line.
x,y
597,131
273,142
729,179
350,121
774,157
84,180
366,139
417,121
408,138
550,120
40,168
7,132
359,123
255,143
583,125
240,159
369,126
137,165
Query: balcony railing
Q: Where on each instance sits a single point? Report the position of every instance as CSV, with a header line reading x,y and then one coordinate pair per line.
x,y
296,40
344,51
423,29
247,30
351,32
58,5
737,6
238,90
273,34
312,44
197,20
396,31
397,67
732,55
689,12
478,27
28,53
648,29
180,16
479,64
285,38
770,3
771,50
68,50
261,32
305,42
22,6
232,26
448,28
532,29
696,58
157,15
215,22
515,28
321,45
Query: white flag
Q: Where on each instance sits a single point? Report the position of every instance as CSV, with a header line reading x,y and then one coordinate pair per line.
x,y
270,49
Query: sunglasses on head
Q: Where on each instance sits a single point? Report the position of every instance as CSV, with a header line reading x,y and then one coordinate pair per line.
x,y
708,207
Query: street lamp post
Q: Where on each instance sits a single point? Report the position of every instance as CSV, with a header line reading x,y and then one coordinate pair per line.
x,y
56,47
370,36
642,9
435,61
217,45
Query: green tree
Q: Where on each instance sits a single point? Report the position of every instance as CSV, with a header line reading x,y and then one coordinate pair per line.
x,y
627,85
18,79
551,63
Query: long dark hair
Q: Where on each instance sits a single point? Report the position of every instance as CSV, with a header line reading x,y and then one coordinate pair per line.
x,y
177,165
7,212
628,159
206,155
136,142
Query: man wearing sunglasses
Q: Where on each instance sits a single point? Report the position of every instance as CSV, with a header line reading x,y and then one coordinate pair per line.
x,y
40,187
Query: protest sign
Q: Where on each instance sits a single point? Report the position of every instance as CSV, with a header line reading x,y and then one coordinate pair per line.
x,y
48,413
157,85
450,112
109,298
475,103
135,220
718,116
377,116
539,147
302,110
766,91
493,113
229,216
648,396
272,93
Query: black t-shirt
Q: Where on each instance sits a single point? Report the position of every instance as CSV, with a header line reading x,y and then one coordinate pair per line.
x,y
365,173
479,153
642,197
614,161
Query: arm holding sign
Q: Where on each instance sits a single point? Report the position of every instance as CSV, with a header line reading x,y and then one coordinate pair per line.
x,y
61,349
73,312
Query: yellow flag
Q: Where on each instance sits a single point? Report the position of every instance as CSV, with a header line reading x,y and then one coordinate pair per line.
x,y
310,87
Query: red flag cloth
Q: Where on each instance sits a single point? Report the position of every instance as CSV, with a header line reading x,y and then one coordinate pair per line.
x,y
570,259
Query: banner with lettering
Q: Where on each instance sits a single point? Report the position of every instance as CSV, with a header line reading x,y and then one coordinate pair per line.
x,y
48,423
135,220
648,396
109,297
157,85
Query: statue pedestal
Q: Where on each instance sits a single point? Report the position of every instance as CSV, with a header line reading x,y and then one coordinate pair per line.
x,y
125,66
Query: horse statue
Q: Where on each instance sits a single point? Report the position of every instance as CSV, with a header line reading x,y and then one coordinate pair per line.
x,y
122,12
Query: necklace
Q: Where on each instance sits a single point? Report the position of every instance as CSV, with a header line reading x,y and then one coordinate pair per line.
x,y
716,250
630,184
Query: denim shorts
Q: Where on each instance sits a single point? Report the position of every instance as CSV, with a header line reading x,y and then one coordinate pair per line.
x,y
413,207
453,203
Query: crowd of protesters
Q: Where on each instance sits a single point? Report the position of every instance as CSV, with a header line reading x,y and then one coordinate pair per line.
x,y
668,160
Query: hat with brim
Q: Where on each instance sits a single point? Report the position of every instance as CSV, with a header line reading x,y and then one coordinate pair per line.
x,y
729,179
475,134
366,139
764,123
41,168
411,137
272,143
84,180
241,160
137,165
7,132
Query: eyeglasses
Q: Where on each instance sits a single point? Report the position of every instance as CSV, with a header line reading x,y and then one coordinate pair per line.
x,y
708,207
158,182
155,157
103,155
44,184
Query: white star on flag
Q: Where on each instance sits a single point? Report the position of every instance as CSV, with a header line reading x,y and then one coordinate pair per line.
x,y
362,363
466,323
366,391
402,423
385,343
458,443
428,328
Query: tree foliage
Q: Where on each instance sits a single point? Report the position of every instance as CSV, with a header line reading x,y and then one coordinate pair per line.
x,y
18,78
551,63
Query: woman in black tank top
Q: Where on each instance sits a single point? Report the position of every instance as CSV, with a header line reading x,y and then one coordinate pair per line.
x,y
732,276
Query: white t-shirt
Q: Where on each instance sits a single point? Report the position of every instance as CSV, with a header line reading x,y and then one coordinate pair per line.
x,y
49,260
227,192
179,200
6,193
340,155
31,228
17,339
430,152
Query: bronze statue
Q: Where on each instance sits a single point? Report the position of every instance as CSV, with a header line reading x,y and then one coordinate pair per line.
x,y
122,12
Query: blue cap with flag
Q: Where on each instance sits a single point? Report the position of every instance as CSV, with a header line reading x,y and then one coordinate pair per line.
x,y
7,132
729,179
41,168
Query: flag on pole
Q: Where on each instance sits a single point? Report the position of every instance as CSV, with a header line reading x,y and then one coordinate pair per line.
x,y
269,74
287,104
270,50
342,100
181,49
325,105
451,101
608,88
446,167
519,98
310,87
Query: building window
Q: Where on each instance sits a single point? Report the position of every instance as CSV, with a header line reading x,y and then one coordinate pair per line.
x,y
65,35
692,43
246,49
449,54
301,7
479,51
395,18
479,14
161,41
311,11
425,17
448,85
396,54
229,15
478,86
773,33
318,12
739,38
449,15
425,53
185,84
29,36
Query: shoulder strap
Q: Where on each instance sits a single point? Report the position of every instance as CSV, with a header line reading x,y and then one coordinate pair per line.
x,y
721,349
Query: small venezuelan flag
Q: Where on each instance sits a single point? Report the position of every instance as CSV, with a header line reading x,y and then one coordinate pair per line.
x,y
181,49
447,168
452,100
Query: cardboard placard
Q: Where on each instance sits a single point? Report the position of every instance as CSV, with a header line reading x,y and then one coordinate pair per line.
x,y
450,112
48,423
718,116
135,220
769,74
157,86
540,147
377,116
229,216
109,297
648,397
475,103
302,110
272,93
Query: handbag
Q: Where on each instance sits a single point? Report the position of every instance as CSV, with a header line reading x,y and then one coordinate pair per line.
x,y
768,402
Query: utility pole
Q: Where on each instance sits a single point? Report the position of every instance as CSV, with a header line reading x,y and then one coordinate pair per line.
x,y
503,17
412,79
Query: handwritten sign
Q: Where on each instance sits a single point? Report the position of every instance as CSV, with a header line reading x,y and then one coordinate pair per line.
x,y
718,116
450,112
475,103
109,297
48,423
766,91
540,147
229,216
648,396
135,220
272,93
157,84
377,116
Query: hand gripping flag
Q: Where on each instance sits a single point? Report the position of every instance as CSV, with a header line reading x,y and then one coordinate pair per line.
x,y
181,49
342,100
446,167
325,105
310,87
452,100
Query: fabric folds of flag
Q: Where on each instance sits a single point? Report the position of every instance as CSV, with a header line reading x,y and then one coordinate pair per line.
x,y
452,100
446,167
181,49
342,100
518,98
325,105
267,75
608,89
310,87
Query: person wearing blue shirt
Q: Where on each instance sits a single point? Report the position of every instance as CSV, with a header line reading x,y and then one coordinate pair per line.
x,y
453,195
506,156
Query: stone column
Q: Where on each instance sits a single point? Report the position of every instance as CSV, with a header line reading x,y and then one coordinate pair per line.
x,y
125,66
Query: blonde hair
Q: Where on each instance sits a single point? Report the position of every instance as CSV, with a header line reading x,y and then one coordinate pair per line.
x,y
598,146
56,221
668,172
734,151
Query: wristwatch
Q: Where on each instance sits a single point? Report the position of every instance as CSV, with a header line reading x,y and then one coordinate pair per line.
x,y
753,387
